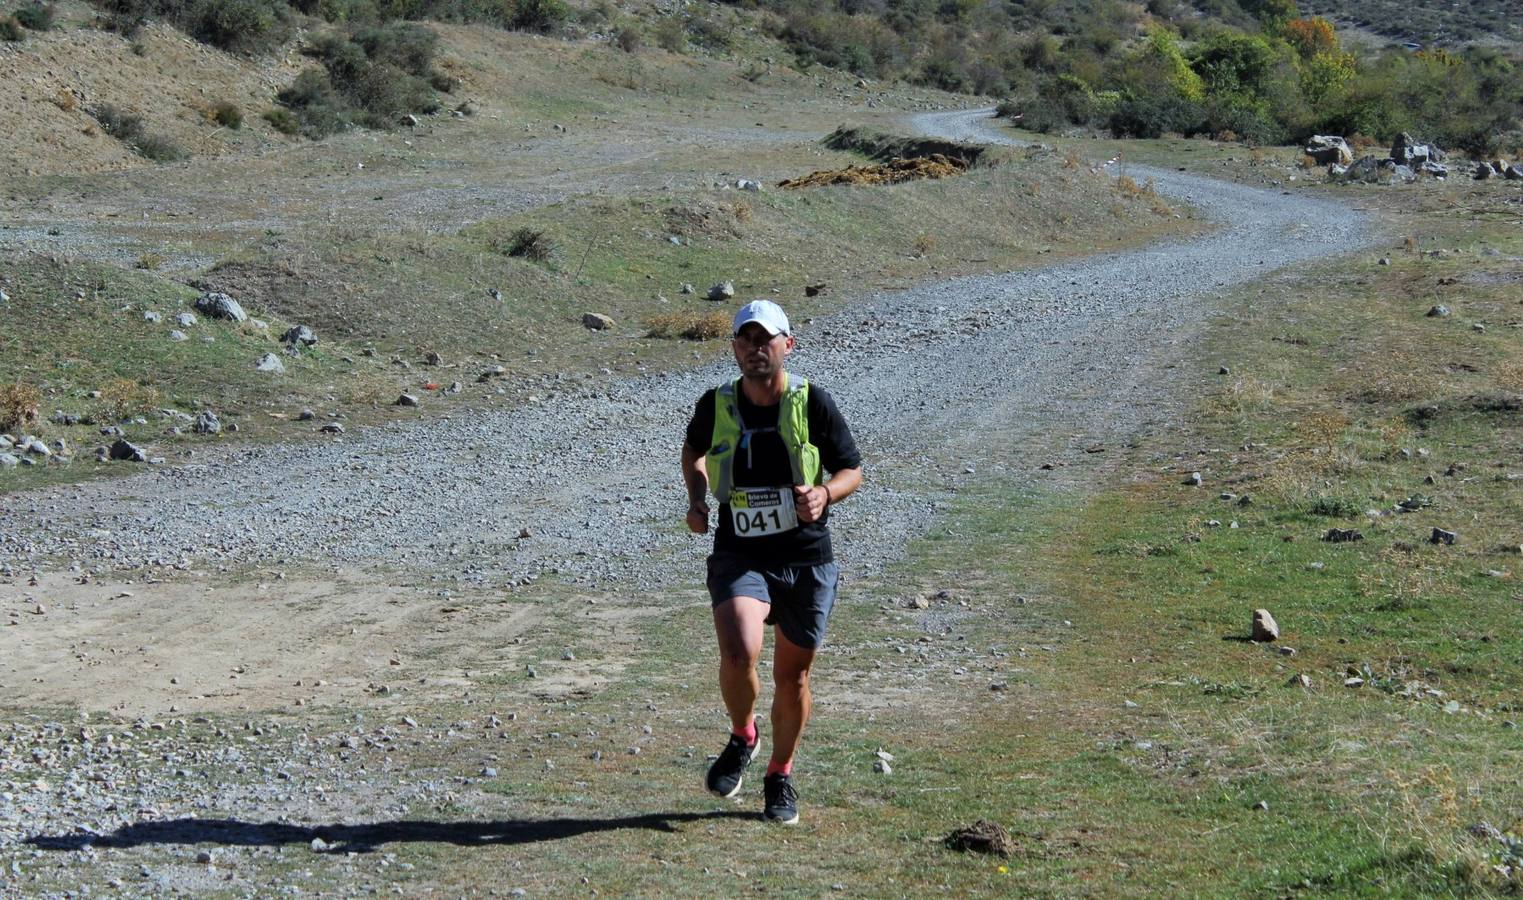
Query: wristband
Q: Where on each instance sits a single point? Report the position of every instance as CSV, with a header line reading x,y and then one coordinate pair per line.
x,y
828,499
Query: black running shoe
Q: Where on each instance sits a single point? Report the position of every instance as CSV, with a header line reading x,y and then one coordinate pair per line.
x,y
725,774
782,800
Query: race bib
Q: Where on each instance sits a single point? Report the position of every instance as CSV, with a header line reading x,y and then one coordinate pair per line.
x,y
759,511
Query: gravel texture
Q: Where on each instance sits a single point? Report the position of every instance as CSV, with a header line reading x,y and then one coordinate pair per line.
x,y
941,383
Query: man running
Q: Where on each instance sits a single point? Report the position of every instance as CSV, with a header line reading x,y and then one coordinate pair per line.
x,y
764,443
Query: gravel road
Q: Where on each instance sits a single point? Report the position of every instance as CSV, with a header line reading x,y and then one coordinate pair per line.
x,y
942,384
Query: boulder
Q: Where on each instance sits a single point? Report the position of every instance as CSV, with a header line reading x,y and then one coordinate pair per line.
x,y
270,363
406,400
185,320
1328,149
1483,171
1441,536
207,423
1514,172
217,305
489,374
1265,629
299,335
127,452
332,428
724,290
746,184
176,334
1438,312
1434,169
1409,152
152,317
8,461
596,321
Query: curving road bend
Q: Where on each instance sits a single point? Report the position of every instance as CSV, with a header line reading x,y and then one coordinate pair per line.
x,y
943,383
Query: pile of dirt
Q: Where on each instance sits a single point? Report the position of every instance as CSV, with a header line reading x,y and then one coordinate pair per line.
x,y
892,172
983,837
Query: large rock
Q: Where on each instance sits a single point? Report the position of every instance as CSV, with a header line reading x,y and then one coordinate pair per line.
x,y
1409,152
220,306
299,335
1483,171
1514,172
596,321
1329,150
270,363
207,423
121,449
1434,169
185,320
1265,629
8,461
724,290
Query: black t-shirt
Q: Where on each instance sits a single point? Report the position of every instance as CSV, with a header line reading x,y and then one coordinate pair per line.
x,y
766,465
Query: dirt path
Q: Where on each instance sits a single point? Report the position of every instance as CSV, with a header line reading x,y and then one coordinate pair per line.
x,y
943,383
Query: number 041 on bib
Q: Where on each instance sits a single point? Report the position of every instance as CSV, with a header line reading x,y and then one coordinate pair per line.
x,y
760,511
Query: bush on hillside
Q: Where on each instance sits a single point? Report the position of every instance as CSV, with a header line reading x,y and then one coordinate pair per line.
x,y
282,120
37,16
228,115
11,30
130,129
20,406
159,148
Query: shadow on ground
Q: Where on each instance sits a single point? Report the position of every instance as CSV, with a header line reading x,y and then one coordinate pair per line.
x,y
343,838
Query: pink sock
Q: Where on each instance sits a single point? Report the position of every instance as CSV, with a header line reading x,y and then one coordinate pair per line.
x,y
749,733
774,767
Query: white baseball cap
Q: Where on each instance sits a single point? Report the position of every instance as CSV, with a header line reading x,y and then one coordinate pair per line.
x,y
764,313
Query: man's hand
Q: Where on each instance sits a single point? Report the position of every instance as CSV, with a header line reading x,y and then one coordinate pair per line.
x,y
698,517
810,501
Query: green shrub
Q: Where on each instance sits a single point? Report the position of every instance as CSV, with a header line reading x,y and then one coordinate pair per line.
x,y
543,16
159,148
1151,116
228,115
11,30
628,39
530,243
1333,507
671,34
37,16
282,120
124,126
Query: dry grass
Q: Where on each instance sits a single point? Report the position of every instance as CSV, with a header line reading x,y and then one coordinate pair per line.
x,y
692,326
925,244
123,398
20,406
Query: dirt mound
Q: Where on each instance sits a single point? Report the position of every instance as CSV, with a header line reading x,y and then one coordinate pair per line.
x,y
983,837
892,172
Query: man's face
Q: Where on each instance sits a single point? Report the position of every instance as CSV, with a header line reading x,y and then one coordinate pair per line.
x,y
759,354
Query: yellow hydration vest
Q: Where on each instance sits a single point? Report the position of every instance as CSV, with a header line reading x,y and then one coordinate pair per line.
x,y
731,434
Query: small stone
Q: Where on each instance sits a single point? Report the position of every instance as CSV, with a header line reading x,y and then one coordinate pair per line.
x,y
1438,312
1384,261
1223,370
882,766
1342,535
1286,651
299,336
152,317
270,363
1440,536
596,321
185,320
1300,681
332,428
178,335
1194,479
319,845
488,772
1261,806
568,656
1265,628
204,857
1353,682
406,400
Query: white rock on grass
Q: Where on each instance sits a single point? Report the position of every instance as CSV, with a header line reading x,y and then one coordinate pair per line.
x,y
270,363
220,306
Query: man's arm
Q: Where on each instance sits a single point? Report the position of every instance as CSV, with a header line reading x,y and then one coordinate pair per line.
x,y
811,501
695,476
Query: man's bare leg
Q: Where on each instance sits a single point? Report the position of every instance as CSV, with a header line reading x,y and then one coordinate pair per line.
x,y
791,700
739,623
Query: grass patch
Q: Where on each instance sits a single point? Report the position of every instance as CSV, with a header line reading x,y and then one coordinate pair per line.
x,y
693,326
